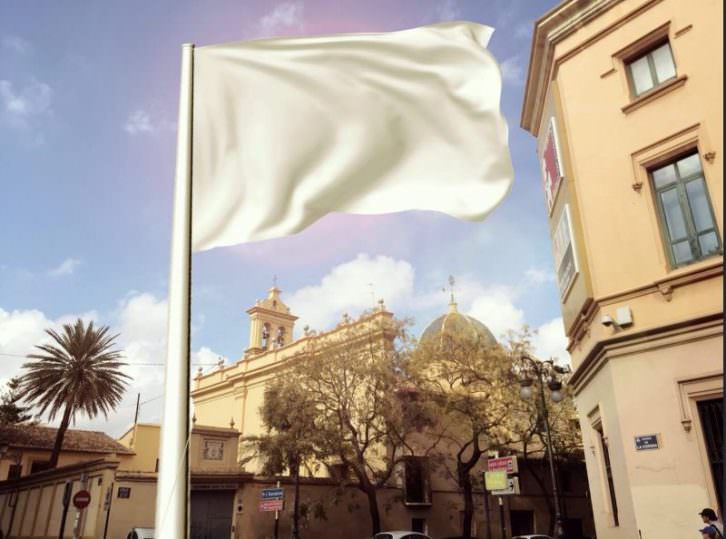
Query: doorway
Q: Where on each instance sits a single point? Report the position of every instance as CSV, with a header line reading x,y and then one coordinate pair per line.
x,y
211,514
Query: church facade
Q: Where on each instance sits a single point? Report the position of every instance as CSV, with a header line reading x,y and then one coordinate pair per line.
x,y
231,395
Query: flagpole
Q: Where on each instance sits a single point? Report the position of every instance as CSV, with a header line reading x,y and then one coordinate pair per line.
x,y
172,500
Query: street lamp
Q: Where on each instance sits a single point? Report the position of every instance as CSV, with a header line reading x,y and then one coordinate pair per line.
x,y
546,373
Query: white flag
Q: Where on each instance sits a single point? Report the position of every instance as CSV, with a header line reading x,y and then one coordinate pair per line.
x,y
288,130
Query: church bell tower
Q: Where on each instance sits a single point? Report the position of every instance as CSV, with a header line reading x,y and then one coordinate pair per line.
x,y
271,323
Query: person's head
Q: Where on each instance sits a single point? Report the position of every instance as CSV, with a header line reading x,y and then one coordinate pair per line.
x,y
709,532
708,515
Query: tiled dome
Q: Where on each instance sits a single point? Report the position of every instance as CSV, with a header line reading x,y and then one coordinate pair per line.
x,y
455,323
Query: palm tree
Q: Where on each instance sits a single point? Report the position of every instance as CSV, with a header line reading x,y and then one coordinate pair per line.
x,y
78,372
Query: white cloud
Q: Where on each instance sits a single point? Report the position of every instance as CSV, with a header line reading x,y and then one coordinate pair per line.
x,y
447,10
495,308
141,121
353,287
288,15
551,341
512,70
21,330
23,107
140,321
67,267
539,276
16,44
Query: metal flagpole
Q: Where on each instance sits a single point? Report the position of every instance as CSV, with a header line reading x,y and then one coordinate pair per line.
x,y
172,500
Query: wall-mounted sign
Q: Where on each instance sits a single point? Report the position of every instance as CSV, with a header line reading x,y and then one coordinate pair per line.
x,y
552,170
124,492
564,251
646,441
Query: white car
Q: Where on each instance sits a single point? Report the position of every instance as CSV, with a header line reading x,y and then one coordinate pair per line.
x,y
141,533
400,535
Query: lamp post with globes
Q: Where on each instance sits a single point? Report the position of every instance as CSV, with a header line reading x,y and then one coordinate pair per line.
x,y
533,372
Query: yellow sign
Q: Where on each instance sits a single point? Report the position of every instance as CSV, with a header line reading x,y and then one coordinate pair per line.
x,y
496,480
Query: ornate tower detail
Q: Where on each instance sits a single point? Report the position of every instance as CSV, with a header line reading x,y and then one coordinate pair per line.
x,y
271,323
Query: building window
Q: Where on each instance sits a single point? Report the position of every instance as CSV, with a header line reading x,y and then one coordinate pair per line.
x,y
651,69
14,471
213,449
608,473
521,521
685,211
39,466
417,487
711,415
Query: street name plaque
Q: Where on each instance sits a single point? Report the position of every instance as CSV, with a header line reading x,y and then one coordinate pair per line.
x,y
646,441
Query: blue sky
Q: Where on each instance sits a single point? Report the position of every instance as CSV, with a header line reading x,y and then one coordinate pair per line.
x,y
88,100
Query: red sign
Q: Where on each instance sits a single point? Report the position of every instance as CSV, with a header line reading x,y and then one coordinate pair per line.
x,y
270,505
551,164
81,499
503,464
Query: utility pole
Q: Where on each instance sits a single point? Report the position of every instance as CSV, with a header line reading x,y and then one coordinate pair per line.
x,y
277,518
136,415
502,524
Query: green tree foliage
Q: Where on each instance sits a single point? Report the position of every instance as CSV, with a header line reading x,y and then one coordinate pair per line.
x,y
469,380
350,398
11,411
78,371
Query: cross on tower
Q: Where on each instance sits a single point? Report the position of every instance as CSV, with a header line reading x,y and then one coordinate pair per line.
x,y
452,282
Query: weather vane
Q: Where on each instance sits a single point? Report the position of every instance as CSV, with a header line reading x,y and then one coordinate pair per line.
x,y
452,282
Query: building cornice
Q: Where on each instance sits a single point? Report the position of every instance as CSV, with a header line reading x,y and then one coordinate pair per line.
x,y
697,328
665,287
549,30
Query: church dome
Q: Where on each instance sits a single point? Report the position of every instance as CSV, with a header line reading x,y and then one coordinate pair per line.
x,y
455,323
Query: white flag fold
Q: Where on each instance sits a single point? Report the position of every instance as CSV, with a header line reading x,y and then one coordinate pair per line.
x,y
288,130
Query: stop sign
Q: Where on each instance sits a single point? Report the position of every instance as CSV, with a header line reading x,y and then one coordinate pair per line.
x,y
81,499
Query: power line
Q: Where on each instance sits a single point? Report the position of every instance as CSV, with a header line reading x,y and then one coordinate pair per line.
x,y
129,363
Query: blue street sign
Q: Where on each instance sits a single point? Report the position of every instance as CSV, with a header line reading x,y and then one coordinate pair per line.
x,y
272,494
648,441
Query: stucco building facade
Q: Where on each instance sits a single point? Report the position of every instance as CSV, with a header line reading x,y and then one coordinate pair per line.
x,y
625,98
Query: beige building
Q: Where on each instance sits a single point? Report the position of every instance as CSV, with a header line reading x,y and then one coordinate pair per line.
x,y
120,477
625,99
233,394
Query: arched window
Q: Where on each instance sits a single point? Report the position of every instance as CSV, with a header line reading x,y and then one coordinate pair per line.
x,y
265,335
280,338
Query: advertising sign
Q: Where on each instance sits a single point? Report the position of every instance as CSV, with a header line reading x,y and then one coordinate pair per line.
x,y
564,251
511,489
552,170
506,464
270,505
495,480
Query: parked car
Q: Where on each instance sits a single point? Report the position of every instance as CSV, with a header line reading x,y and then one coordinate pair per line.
x,y
141,533
401,535
532,536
